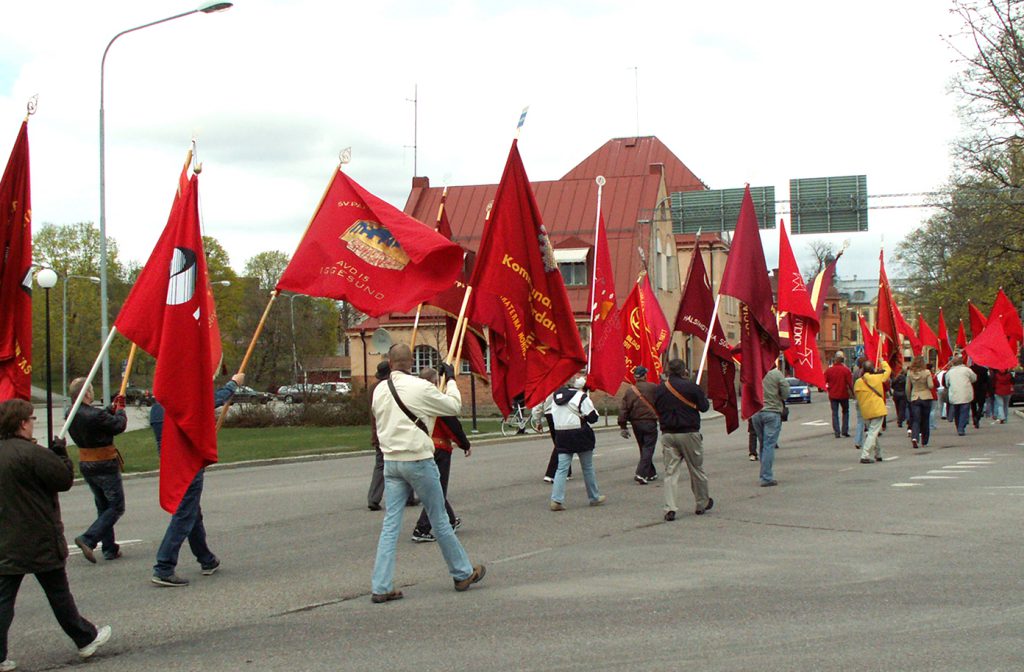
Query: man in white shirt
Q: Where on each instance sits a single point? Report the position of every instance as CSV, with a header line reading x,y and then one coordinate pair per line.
x,y
409,465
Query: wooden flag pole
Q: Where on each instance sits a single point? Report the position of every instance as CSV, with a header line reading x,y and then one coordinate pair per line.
x,y
460,324
415,326
88,382
593,277
707,341
128,369
248,354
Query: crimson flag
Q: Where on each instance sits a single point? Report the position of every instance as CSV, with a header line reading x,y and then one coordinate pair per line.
x,y
363,250
906,330
473,346
16,273
926,336
961,336
945,350
990,348
869,336
645,331
795,303
694,317
168,314
1004,310
978,319
887,324
607,352
746,278
519,293
822,284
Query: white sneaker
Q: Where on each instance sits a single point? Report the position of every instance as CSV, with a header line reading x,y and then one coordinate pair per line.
x,y
8,666
102,637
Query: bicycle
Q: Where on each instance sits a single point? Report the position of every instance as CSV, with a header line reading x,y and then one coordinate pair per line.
x,y
521,421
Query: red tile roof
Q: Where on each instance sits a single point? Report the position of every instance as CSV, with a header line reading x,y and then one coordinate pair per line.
x,y
621,157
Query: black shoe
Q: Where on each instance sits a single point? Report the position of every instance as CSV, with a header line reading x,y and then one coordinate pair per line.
x,y
878,459
846,436
768,484
422,537
373,507
711,504
866,461
457,524
172,581
670,516
837,435
210,569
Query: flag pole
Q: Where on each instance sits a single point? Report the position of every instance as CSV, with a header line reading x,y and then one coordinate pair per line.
x,y
460,324
593,276
88,382
128,369
248,354
707,341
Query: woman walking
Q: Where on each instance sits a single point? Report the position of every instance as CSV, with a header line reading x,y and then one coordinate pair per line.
x,y
919,388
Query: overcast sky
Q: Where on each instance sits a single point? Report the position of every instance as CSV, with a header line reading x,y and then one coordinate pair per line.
x,y
742,92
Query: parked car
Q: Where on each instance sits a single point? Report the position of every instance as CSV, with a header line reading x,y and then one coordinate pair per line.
x,y
1017,395
296,394
798,391
138,396
337,388
247,395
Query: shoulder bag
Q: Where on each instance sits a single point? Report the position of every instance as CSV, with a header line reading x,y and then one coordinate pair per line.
x,y
405,409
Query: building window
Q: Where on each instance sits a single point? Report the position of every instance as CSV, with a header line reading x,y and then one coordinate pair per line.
x,y
574,274
858,295
833,309
853,335
424,357
835,332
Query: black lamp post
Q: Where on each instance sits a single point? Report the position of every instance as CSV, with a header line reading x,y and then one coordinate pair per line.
x,y
47,279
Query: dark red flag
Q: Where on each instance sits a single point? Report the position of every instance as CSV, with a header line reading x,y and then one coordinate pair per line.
x,y
961,336
1004,310
363,250
746,278
473,346
906,330
869,336
645,331
990,348
607,357
945,349
978,319
925,334
168,314
886,323
693,317
822,284
795,303
16,273
519,293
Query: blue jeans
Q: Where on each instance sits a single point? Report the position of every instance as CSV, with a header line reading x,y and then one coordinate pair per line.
x,y
108,494
768,425
858,436
836,405
1002,406
562,475
186,523
962,415
400,479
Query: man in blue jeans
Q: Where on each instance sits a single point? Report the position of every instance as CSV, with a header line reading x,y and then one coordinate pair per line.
x,y
768,422
405,408
187,521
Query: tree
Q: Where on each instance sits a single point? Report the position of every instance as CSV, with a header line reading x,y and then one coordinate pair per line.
x,y
823,253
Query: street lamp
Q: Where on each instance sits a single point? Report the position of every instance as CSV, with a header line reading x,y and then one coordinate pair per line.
x,y
47,279
64,341
205,8
295,356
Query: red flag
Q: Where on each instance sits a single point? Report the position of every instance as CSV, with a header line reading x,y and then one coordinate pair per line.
x,y
961,336
607,353
945,350
990,348
926,336
1004,310
978,320
869,336
520,295
795,303
746,278
473,346
365,251
168,315
644,331
693,317
886,323
16,273
906,330
821,285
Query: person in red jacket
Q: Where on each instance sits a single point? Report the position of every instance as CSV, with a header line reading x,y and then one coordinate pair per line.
x,y
447,430
1003,388
839,383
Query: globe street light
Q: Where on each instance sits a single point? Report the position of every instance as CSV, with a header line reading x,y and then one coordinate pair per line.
x,y
64,341
47,279
205,8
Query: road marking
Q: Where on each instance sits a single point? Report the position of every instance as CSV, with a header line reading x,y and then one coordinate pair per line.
x,y
890,459
1004,487
521,556
905,485
817,423
75,550
928,478
956,467
955,471
980,460
968,465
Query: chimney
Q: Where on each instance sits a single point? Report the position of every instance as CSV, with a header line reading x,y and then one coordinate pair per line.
x,y
656,168
421,183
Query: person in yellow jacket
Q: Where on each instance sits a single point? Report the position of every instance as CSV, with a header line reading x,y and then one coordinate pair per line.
x,y
870,395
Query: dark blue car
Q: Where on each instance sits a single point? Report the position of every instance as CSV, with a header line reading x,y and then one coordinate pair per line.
x,y
799,391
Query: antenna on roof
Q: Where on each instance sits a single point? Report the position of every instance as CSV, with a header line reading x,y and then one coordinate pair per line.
x,y
415,100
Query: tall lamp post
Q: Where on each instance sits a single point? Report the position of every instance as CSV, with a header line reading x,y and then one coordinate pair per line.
x,y
47,279
295,355
205,8
64,340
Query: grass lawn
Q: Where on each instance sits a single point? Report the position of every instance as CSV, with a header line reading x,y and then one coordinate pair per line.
x,y
237,445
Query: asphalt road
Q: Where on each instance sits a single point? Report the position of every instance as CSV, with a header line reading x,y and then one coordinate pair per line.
x,y
910,564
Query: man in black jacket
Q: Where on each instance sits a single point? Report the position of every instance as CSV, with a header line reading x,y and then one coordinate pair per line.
x,y
32,534
93,430
638,410
679,404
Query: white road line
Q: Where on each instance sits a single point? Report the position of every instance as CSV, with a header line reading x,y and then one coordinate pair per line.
x,y
956,467
905,485
1004,487
521,556
928,478
987,460
890,459
968,465
952,471
817,423
75,550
